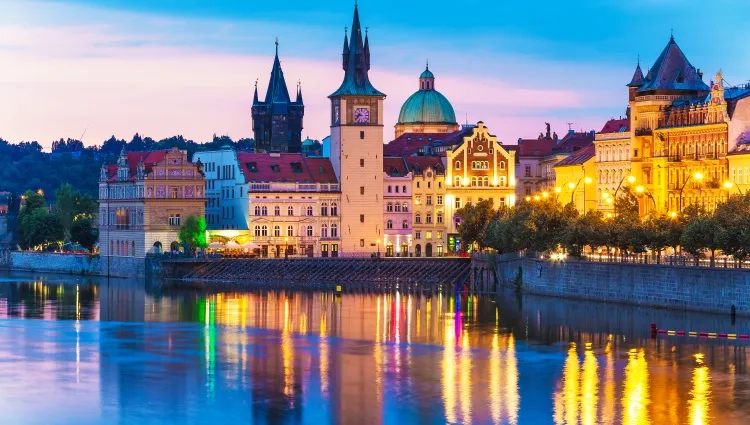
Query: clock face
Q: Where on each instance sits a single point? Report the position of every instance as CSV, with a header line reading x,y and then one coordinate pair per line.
x,y
362,115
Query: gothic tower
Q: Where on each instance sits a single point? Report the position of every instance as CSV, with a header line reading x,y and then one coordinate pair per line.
x,y
357,146
277,121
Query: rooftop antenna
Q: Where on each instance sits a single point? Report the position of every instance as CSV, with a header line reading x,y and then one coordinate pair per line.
x,y
467,118
84,132
570,125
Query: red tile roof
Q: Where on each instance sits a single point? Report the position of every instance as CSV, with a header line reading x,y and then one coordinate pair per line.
x,y
578,157
285,167
149,160
621,125
424,162
535,147
394,166
411,143
573,142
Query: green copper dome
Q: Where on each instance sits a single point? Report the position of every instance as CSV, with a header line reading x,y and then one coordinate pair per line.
x,y
427,74
427,106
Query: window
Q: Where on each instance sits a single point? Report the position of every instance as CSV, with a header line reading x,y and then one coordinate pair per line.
x,y
458,165
396,189
405,207
389,224
264,210
264,231
389,207
324,209
277,231
324,231
257,210
417,235
440,200
428,235
334,230
457,203
390,189
361,218
429,199
174,219
361,242
362,162
289,231
440,185
403,189
256,231
277,210
418,199
362,135
290,211
334,209
428,218
429,185
309,211
440,235
417,185
418,218
502,165
457,181
361,190
404,224
309,231
440,218
398,207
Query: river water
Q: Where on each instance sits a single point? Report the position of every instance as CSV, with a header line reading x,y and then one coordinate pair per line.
x,y
82,351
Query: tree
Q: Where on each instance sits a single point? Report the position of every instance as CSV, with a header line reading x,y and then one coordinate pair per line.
x,y
70,204
193,233
733,217
39,228
699,235
658,234
84,233
474,221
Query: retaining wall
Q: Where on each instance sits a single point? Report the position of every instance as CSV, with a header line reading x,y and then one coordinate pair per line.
x,y
689,288
73,264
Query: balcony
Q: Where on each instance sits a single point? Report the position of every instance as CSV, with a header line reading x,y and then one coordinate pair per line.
x,y
644,132
294,187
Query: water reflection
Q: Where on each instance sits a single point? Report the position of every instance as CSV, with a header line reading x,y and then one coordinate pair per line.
x,y
305,357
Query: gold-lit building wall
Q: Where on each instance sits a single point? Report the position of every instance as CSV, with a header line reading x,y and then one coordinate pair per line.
x,y
577,185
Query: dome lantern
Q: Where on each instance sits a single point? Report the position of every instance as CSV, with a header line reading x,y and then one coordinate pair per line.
x,y
427,79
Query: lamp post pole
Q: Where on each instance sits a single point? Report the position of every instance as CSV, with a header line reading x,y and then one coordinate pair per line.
x,y
698,176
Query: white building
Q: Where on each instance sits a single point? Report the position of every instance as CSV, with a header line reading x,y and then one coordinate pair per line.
x,y
226,190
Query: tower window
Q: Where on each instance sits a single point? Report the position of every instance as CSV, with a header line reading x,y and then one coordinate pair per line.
x,y
361,190
362,135
361,162
361,218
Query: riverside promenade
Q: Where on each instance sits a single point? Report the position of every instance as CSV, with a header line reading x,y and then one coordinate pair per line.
x,y
716,290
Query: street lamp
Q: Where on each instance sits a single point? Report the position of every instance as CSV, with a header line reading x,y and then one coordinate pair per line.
x,y
378,248
698,176
641,189
730,184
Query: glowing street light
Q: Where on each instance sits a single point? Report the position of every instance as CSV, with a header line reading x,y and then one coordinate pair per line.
x,y
631,179
730,184
588,180
639,189
572,185
673,214
536,198
698,176
558,189
545,195
528,198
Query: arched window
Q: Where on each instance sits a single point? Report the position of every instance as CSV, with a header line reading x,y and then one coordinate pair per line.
x,y
257,210
405,207
390,188
428,218
334,230
276,231
324,209
257,231
458,165
474,180
440,218
264,210
398,207
309,231
389,207
457,181
264,230
404,224
290,210
277,210
389,224
334,209
324,230
290,231
418,218
310,211
502,181
502,165
403,189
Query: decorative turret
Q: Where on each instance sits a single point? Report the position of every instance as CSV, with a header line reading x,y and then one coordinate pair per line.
x,y
255,96
123,170
103,177
367,50
299,93
427,79
141,170
637,79
345,55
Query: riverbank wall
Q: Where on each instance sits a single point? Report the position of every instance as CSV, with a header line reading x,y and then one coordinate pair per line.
x,y
713,290
74,264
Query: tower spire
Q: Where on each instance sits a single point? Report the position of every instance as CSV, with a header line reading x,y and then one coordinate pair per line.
x,y
255,96
356,62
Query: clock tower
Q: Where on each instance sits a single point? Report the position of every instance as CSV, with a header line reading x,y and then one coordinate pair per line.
x,y
357,147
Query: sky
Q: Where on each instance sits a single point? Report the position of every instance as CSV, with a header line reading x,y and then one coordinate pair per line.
x,y
99,68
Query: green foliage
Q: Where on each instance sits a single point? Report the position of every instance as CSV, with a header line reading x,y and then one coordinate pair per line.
x,y
84,233
70,204
474,221
193,233
700,234
39,228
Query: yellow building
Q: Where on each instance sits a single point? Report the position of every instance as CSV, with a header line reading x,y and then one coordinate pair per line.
x,y
430,222
575,180
681,133
612,161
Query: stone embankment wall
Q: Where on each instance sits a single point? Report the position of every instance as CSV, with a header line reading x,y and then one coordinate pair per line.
x,y
688,288
72,264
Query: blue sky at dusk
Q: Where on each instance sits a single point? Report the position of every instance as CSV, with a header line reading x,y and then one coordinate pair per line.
x,y
164,67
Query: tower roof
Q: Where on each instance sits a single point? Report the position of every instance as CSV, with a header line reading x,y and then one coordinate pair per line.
x,y
427,73
357,63
672,71
277,91
427,105
637,79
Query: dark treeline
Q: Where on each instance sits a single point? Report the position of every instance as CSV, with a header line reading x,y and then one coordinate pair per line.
x,y
27,167
546,226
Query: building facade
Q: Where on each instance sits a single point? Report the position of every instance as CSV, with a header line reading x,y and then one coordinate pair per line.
x,y
226,190
277,120
397,200
613,150
576,180
430,217
357,147
427,110
144,199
